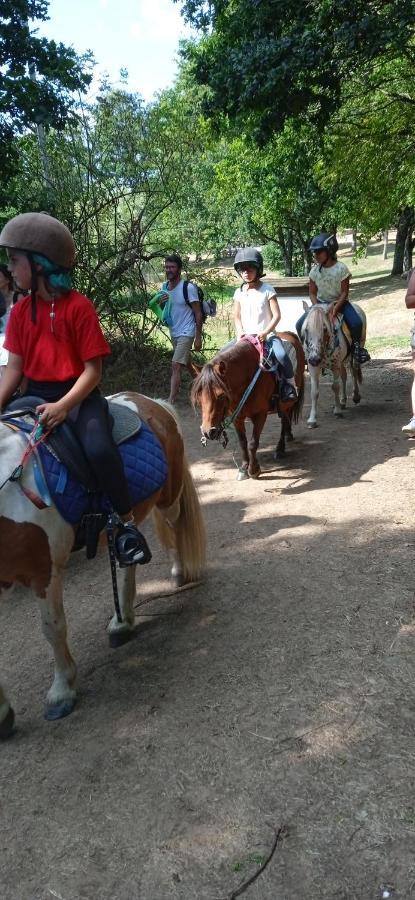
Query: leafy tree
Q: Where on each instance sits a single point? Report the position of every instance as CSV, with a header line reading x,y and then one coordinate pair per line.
x,y
112,174
268,61
37,77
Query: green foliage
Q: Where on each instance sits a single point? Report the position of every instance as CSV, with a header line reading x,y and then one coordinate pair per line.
x,y
265,62
37,77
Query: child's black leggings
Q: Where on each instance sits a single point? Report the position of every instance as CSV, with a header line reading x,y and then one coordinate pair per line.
x,y
92,424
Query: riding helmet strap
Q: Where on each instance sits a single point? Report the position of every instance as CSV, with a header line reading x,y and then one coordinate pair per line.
x,y
33,285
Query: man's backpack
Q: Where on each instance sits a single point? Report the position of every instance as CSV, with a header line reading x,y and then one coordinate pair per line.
x,y
207,307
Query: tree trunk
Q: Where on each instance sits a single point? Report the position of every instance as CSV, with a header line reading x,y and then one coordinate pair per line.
x,y
404,224
407,256
385,244
286,244
354,240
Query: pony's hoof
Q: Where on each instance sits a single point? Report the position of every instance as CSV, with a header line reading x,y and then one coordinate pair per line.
x,y
242,475
311,424
343,405
339,415
255,474
178,581
119,638
356,399
59,710
7,726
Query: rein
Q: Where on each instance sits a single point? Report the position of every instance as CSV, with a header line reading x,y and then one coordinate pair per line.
x,y
36,437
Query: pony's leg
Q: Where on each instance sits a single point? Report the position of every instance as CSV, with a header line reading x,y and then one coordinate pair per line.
x,y
6,717
357,376
314,385
61,697
343,390
336,391
120,632
243,443
286,434
258,421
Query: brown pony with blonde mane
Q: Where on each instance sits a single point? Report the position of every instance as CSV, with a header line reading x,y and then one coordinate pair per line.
x,y
219,387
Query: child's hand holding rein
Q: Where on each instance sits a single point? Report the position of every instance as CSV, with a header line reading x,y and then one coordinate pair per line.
x,y
51,414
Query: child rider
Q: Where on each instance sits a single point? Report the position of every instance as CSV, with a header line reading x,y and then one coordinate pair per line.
x,y
55,340
256,311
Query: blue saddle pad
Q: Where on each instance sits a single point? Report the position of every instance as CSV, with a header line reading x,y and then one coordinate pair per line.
x,y
145,467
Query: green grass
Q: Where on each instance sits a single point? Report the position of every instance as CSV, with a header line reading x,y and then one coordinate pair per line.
x,y
390,342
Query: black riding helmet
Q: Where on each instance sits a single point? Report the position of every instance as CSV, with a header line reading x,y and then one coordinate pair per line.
x,y
249,255
325,241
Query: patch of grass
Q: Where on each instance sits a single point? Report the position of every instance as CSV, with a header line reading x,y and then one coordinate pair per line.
x,y
390,342
257,858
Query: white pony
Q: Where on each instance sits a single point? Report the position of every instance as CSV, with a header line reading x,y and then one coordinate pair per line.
x,y
36,543
325,347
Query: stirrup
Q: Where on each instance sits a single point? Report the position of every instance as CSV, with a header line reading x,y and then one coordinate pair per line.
x,y
131,546
287,392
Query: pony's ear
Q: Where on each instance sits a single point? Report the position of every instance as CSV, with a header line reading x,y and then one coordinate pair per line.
x,y
194,369
305,306
220,367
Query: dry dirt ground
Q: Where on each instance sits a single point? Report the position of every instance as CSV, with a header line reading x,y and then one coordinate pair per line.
x,y
280,692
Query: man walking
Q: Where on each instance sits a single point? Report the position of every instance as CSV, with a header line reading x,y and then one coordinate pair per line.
x,y
185,320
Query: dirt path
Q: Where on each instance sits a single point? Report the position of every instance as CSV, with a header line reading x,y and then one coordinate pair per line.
x,y
279,692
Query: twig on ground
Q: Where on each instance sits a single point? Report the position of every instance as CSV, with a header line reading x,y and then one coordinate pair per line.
x,y
171,593
279,834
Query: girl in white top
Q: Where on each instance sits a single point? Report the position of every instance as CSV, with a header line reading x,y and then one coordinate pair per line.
x,y
256,311
9,297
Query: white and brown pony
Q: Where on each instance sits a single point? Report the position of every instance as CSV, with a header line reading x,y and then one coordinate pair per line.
x,y
36,543
326,347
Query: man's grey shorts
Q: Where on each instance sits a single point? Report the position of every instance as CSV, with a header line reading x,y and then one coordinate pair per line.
x,y
181,349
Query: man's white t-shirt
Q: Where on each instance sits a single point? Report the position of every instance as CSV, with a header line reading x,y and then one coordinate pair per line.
x,y
256,312
183,320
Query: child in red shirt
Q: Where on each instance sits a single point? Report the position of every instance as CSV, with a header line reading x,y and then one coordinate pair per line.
x,y
55,340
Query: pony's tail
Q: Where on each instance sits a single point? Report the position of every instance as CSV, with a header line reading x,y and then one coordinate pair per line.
x,y
298,405
187,533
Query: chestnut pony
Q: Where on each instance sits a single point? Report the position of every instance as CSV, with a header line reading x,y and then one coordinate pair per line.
x,y
219,387
36,543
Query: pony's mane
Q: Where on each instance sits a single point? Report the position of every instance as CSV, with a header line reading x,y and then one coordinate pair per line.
x,y
209,382
318,320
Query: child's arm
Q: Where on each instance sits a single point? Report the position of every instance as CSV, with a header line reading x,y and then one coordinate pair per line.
x,y
276,315
52,414
343,296
237,319
410,294
312,291
11,378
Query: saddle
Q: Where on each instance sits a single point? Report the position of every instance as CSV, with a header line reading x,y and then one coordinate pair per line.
x,y
64,477
63,442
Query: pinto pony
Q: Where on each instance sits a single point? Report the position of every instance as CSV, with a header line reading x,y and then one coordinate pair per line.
x,y
326,348
36,543
221,384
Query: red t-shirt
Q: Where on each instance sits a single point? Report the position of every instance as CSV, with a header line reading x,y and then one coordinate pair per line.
x,y
55,348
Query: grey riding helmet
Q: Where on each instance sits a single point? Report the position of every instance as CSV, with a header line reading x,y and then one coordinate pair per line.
x,y
325,241
249,255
